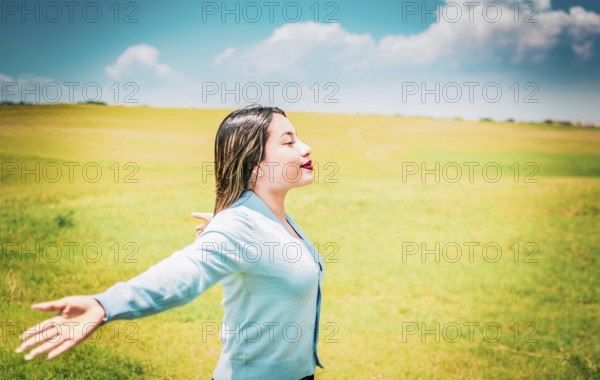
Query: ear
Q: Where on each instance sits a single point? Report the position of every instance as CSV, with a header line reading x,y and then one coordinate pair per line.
x,y
254,177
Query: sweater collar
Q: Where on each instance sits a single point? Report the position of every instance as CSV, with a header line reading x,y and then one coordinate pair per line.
x,y
254,202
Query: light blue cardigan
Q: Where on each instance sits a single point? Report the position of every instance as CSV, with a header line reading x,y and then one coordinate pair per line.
x,y
272,291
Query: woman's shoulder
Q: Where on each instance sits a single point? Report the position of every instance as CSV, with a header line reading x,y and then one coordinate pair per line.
x,y
233,220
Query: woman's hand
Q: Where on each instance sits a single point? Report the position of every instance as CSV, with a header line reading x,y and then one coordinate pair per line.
x,y
204,216
78,317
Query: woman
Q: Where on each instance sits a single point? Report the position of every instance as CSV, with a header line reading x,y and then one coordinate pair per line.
x,y
270,271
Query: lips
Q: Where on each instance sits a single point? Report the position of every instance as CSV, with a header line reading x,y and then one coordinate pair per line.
x,y
307,165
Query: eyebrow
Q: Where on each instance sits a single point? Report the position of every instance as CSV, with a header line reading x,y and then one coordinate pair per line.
x,y
290,133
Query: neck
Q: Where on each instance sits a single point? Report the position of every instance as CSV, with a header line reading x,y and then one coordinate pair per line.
x,y
274,199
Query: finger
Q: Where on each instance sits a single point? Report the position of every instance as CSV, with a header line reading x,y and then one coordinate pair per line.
x,y
40,327
44,336
51,305
202,215
60,349
200,227
45,348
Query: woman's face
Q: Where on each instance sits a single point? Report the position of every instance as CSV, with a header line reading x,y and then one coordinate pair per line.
x,y
287,164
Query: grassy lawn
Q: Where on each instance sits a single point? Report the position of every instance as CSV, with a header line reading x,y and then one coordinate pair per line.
x,y
453,249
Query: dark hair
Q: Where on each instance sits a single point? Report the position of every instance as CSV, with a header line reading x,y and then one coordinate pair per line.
x,y
239,148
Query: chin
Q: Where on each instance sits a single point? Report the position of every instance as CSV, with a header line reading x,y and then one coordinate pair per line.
x,y
305,181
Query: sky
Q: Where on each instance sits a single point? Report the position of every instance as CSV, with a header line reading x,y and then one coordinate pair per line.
x,y
525,60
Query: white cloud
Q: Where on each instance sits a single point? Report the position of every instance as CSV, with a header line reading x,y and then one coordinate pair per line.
x,y
484,40
584,49
224,56
295,48
311,48
543,4
5,78
540,5
32,88
135,57
583,24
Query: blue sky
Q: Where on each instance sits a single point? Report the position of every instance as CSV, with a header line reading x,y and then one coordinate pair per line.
x,y
528,62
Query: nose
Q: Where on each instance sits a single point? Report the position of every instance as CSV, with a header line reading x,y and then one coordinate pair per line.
x,y
305,150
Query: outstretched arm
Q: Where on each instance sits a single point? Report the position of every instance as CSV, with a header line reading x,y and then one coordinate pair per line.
x,y
175,280
172,282
77,318
207,216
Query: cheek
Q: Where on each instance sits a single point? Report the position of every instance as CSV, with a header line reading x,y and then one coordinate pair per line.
x,y
283,164
281,156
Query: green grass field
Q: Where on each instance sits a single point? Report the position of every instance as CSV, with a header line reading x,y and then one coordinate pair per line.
x,y
520,302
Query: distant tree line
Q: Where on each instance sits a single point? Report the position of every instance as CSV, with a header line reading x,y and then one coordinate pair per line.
x,y
22,103
549,122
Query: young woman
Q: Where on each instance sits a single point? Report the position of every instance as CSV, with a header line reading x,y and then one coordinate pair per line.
x,y
270,271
